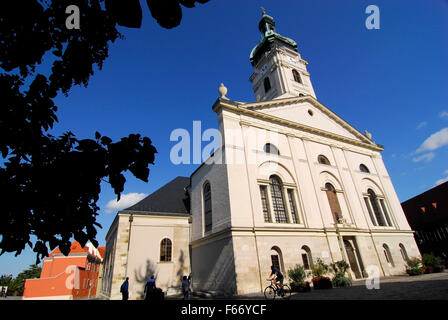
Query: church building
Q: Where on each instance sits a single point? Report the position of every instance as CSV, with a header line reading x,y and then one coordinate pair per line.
x,y
292,182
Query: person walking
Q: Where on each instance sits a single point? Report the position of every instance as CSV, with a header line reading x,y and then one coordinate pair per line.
x,y
124,289
186,287
150,288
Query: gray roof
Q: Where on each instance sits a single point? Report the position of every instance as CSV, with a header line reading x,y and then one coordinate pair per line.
x,y
171,198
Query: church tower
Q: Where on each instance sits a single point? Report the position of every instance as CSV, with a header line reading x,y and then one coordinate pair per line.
x,y
280,71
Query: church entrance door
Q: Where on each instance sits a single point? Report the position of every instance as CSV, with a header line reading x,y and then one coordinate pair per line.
x,y
353,261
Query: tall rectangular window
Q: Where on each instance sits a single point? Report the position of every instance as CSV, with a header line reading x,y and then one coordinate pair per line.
x,y
376,209
292,205
386,214
165,250
277,201
265,203
275,261
207,195
306,264
370,211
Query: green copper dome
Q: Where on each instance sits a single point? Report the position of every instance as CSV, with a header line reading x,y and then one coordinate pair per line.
x,y
268,38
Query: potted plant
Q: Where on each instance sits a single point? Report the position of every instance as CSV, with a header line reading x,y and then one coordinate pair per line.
x,y
339,269
414,267
298,276
432,263
319,270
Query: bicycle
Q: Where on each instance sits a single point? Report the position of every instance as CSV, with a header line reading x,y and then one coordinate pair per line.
x,y
272,290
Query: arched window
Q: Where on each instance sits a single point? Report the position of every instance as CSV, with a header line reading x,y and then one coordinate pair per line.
x,y
363,168
270,148
296,75
265,204
404,253
165,250
267,84
278,202
323,160
207,196
307,258
276,258
334,202
388,255
377,209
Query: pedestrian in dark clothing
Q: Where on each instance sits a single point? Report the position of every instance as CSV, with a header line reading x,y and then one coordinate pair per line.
x,y
150,288
186,287
124,289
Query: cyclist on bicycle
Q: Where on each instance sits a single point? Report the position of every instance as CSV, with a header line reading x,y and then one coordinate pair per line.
x,y
277,277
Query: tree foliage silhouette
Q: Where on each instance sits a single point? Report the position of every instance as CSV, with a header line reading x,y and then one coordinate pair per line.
x,y
50,185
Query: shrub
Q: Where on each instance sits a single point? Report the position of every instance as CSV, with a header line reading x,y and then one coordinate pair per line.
x,y
415,272
319,269
300,286
297,274
341,281
414,267
339,269
432,263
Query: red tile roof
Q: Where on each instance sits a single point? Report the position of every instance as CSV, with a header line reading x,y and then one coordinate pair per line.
x,y
102,251
76,248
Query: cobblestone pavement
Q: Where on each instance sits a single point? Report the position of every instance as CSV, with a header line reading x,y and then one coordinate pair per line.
x,y
424,287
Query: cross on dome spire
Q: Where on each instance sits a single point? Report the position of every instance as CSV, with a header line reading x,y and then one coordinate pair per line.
x,y
279,70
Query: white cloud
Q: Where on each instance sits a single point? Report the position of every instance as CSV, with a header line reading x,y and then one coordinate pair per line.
x,y
427,157
126,200
443,114
422,124
440,181
435,141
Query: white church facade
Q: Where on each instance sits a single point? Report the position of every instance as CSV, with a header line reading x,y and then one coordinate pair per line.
x,y
291,182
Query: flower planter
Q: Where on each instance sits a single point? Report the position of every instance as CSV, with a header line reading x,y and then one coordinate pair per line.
x,y
301,287
415,271
429,269
322,283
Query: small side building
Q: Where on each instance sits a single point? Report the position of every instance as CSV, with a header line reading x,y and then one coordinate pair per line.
x,y
67,277
151,238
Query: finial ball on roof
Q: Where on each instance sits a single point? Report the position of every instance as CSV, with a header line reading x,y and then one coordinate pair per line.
x,y
222,91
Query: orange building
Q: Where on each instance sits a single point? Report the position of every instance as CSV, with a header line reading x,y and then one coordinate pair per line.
x,y
67,277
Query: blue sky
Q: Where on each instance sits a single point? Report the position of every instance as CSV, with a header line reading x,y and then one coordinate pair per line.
x,y
392,82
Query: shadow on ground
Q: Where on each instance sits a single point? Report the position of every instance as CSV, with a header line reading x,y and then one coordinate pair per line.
x,y
424,287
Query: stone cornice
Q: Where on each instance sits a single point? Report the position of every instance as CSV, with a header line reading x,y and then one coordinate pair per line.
x,y
248,109
136,213
297,230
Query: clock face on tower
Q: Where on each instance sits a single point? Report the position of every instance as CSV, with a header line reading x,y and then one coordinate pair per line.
x,y
264,69
292,60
